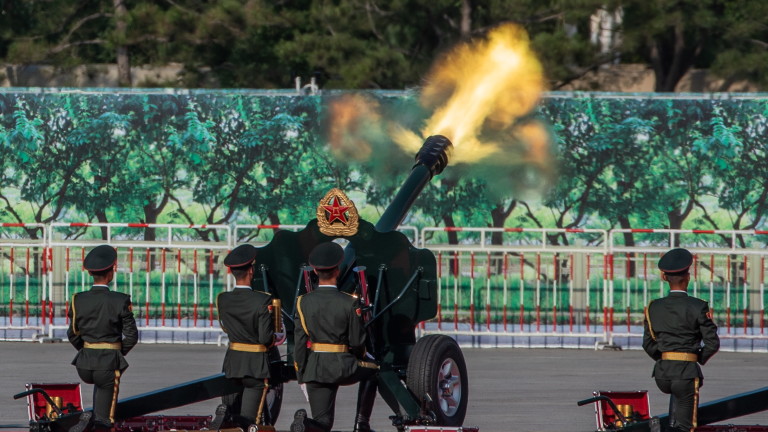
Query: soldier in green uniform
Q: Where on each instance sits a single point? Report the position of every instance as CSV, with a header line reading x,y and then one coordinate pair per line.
x,y
680,335
102,328
329,341
246,316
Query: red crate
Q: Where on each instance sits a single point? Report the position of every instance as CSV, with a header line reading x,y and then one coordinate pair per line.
x,y
606,417
71,399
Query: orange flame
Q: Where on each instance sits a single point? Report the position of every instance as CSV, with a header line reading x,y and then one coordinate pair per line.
x,y
490,84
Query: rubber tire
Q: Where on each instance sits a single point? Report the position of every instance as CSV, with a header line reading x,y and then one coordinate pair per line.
x,y
423,374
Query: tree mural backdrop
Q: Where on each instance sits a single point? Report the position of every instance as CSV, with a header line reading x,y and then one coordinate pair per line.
x,y
218,157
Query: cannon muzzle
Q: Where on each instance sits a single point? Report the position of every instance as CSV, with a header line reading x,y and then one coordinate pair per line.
x,y
431,160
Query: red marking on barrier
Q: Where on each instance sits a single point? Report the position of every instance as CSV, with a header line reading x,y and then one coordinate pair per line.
x,y
10,311
505,265
488,268
611,311
194,314
194,262
67,254
746,316
472,316
162,313
488,317
472,267
645,266
745,270
504,317
513,229
66,312
52,311
210,313
641,230
728,319
43,312
629,320
711,269
439,317
538,318
130,260
451,229
455,316
761,232
79,224
178,313
268,226
703,231
138,225
26,312
210,263
522,316
610,262
13,224
627,272
178,261
695,266
574,230
554,318
146,314
26,270
538,266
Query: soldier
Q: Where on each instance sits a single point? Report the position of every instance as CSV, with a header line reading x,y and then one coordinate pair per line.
x,y
246,316
329,341
680,335
98,320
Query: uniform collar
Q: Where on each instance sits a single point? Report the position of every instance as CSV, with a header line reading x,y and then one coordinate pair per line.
x,y
329,287
242,287
100,288
678,292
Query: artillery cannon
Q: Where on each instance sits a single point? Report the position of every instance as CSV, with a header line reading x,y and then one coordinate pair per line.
x,y
630,412
424,382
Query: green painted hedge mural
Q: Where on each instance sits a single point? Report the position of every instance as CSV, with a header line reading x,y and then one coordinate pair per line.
x,y
225,157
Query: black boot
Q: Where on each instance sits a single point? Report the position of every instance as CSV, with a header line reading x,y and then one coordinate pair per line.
x,y
366,396
221,415
301,423
83,423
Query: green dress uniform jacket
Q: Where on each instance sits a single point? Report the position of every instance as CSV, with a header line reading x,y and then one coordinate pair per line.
x,y
246,316
101,315
679,323
328,316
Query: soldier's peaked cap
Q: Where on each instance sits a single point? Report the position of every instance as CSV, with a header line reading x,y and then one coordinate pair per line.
x,y
676,261
100,258
326,256
240,256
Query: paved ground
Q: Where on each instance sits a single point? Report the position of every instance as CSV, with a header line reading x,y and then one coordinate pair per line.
x,y
527,390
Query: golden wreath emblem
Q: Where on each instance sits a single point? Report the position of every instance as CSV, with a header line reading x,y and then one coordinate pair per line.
x,y
337,215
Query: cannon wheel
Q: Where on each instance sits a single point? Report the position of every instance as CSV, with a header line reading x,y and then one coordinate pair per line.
x,y
436,368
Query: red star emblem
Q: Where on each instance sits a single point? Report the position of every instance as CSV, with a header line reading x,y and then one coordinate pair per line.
x,y
336,211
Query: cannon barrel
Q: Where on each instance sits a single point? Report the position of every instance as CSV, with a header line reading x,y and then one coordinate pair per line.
x,y
431,160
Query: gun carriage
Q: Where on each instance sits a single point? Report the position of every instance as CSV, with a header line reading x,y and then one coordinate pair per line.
x,y
424,382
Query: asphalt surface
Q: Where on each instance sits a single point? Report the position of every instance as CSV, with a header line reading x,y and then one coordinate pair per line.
x,y
515,389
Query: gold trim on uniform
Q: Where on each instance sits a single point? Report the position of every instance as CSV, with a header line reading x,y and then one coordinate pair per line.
x,y
260,413
694,420
337,226
246,347
74,317
104,345
301,317
113,406
680,356
368,365
328,347
648,320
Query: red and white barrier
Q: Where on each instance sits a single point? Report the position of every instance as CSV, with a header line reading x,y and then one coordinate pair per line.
x,y
19,253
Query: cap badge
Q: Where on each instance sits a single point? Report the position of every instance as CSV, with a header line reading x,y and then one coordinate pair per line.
x,y
337,215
